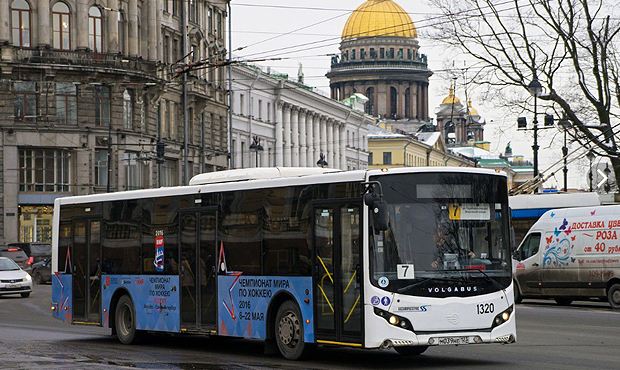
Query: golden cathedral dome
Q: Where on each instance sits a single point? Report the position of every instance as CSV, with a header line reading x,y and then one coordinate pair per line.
x,y
451,98
379,18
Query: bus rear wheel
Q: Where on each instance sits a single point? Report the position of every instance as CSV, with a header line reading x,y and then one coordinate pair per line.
x,y
613,296
125,321
289,331
411,350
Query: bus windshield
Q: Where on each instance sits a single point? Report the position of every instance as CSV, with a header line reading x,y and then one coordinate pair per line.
x,y
447,235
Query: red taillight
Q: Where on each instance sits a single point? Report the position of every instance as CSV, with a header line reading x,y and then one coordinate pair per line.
x,y
30,260
13,249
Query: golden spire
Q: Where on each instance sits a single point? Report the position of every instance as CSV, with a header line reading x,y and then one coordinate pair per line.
x,y
471,109
451,98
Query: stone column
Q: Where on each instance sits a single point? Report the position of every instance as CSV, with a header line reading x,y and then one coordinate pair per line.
x,y
152,31
279,145
45,31
323,137
112,29
82,24
5,29
330,143
343,148
336,134
310,156
303,142
287,135
295,137
133,28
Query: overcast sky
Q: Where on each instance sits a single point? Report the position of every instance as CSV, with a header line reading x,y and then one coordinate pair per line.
x,y
277,28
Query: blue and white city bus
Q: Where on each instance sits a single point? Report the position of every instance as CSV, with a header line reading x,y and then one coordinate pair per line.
x,y
402,258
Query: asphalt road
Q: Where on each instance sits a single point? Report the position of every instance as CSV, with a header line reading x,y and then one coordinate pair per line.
x,y
583,336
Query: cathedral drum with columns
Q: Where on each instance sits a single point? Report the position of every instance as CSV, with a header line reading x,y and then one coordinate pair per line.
x,y
380,59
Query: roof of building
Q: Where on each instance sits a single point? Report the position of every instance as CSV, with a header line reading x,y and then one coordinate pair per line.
x,y
379,18
376,132
473,152
429,138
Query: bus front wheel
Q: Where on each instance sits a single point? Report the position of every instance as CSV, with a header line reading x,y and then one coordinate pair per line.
x,y
411,350
289,331
125,320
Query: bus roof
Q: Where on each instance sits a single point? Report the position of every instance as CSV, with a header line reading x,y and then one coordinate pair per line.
x,y
254,179
554,200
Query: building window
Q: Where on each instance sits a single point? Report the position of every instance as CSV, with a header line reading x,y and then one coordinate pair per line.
x,y
408,102
122,44
170,173
61,22
193,10
101,167
210,21
94,29
66,103
35,224
370,104
387,157
241,103
25,100
373,53
409,54
260,109
136,171
20,22
268,112
370,158
220,29
44,170
362,54
128,105
175,7
166,47
382,53
102,106
353,54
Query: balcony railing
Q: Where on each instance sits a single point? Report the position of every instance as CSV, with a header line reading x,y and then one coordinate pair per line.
x,y
379,64
84,58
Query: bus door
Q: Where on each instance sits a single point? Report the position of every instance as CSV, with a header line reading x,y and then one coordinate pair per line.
x,y
86,252
197,272
337,274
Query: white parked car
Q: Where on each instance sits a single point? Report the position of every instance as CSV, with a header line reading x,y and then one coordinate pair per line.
x,y
14,280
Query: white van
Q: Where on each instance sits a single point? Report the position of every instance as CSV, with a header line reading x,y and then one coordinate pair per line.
x,y
569,254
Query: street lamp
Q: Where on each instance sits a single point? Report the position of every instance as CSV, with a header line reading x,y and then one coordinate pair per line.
x,y
535,89
565,124
590,157
256,147
322,162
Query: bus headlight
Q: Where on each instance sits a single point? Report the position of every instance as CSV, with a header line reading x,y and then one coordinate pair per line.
x,y
502,317
394,320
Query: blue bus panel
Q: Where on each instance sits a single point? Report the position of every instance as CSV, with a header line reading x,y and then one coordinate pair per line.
x,y
62,299
244,301
155,298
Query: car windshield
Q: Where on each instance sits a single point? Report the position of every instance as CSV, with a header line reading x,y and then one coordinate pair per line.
x,y
442,228
8,265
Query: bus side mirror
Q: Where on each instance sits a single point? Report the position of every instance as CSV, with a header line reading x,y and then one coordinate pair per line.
x,y
378,209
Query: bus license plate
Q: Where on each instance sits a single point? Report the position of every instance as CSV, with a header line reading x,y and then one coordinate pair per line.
x,y
446,341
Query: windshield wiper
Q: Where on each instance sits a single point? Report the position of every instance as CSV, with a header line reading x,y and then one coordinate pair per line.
x,y
492,280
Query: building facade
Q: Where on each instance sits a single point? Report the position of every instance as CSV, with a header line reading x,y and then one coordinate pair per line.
x,y
391,148
87,91
280,122
379,58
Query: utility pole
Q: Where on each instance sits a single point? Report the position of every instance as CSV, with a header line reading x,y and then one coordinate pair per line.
x,y
230,90
184,96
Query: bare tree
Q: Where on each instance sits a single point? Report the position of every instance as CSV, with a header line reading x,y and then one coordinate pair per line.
x,y
570,46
